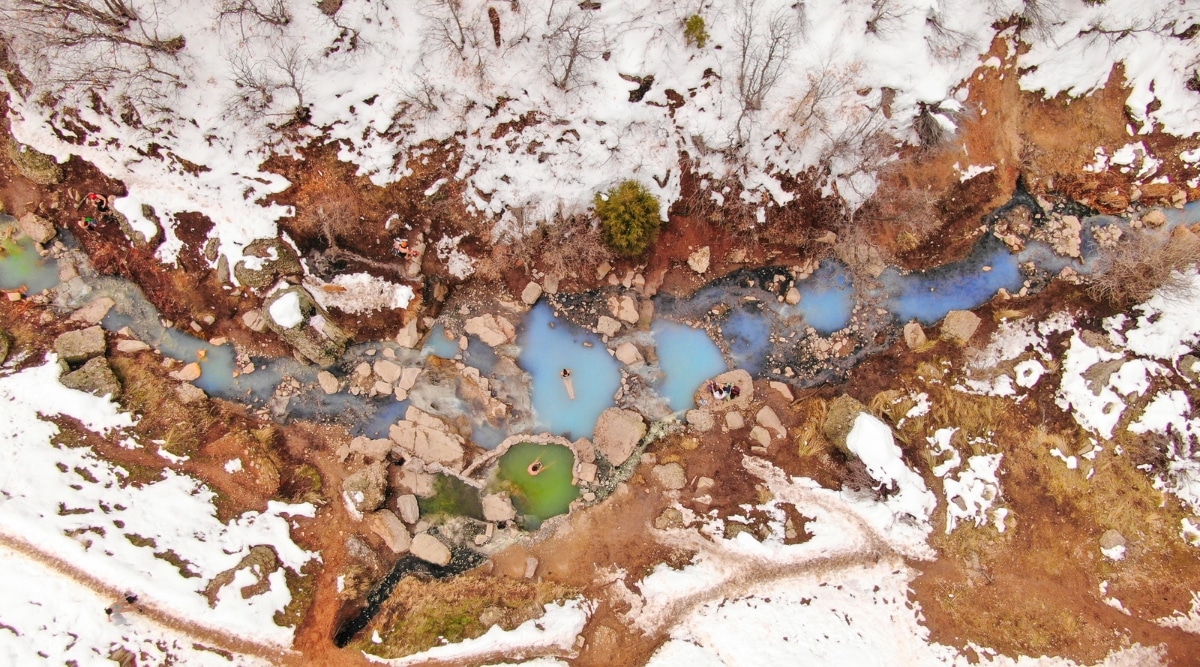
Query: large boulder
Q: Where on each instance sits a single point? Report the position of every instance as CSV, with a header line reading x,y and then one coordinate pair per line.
x,y
737,377
366,489
618,433
37,167
498,507
431,550
94,377
959,326
493,330
74,347
426,438
767,418
264,261
839,421
391,529
37,228
314,337
531,293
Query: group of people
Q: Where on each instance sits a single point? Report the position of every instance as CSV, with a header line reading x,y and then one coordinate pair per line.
x,y
114,613
103,211
402,248
723,392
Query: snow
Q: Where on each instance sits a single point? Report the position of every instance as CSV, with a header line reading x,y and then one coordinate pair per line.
x,y
286,310
1115,552
1097,409
871,440
1166,328
555,631
1189,622
356,293
233,466
86,511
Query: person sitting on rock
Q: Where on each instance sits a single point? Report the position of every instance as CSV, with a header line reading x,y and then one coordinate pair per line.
x,y
88,223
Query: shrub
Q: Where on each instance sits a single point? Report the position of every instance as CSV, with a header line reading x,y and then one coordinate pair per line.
x,y
695,32
629,218
1143,263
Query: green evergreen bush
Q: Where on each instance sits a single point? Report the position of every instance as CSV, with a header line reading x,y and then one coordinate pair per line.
x,y
695,32
629,218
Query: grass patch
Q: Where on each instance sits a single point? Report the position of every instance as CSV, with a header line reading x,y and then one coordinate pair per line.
x,y
182,429
420,614
303,587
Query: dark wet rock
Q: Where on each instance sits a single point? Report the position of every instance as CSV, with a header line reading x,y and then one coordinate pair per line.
x,y
75,347
94,377
265,271
37,228
843,411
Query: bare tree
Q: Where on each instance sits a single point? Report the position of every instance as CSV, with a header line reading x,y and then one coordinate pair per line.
x,y
885,14
452,26
944,41
272,86
1142,263
571,42
72,45
763,46
252,13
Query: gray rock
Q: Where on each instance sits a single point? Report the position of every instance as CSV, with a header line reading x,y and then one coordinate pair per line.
x,y
843,411
498,507
531,293
734,420
408,508
914,335
189,393
387,526
77,346
37,228
670,476
959,326
94,377
767,418
286,263
430,549
1111,538
317,338
493,330
618,433
366,489
1189,366
131,346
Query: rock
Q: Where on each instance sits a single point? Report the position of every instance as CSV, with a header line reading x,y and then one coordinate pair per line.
x,y
839,420
628,354
430,549
37,228
77,346
408,378
493,330
767,418
189,373
264,261
408,336
254,320
959,326
387,526
607,326
366,489
670,518
189,393
531,566
586,472
618,433
1111,539
783,390
670,476
36,166
738,377
372,449
1189,366
531,293
761,436
704,484
792,297
734,421
4,346
700,259
625,309
429,444
408,508
316,338
94,377
584,450
328,382
410,480
603,270
914,335
131,346
701,420
388,371
498,507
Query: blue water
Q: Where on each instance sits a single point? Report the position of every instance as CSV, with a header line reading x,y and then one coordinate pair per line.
x,y
826,298
927,296
545,352
687,357
748,337
21,266
437,344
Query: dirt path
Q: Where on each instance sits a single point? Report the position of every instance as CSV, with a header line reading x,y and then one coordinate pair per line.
x,y
150,610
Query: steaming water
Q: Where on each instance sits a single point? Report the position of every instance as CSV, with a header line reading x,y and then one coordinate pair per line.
x,y
748,335
545,352
20,265
687,357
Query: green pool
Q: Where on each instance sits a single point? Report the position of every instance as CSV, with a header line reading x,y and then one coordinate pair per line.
x,y
545,494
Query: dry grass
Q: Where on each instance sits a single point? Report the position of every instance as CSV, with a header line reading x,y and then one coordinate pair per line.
x,y
1143,262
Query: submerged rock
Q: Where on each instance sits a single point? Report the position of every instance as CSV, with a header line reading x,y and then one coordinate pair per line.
x,y
77,346
94,311
618,433
94,377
